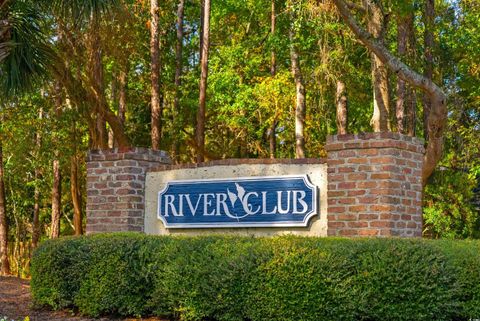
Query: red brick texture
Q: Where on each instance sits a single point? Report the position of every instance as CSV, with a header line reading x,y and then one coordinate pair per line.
x,y
374,185
116,188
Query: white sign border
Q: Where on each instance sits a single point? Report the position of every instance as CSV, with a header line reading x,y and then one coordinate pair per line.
x,y
304,223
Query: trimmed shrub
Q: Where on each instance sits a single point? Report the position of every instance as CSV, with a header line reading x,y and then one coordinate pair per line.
x,y
232,278
464,257
115,281
374,279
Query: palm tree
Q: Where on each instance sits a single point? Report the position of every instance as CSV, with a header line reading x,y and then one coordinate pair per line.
x,y
26,54
24,50
23,56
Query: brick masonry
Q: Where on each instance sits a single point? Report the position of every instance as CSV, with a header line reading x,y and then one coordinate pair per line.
x,y
116,188
374,185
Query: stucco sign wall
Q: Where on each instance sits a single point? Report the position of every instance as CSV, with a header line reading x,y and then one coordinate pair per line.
x,y
261,201
248,198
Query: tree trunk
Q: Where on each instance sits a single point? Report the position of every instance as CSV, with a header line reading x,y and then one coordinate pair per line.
x,y
57,178
178,74
429,17
86,99
381,102
36,211
36,193
342,108
76,196
113,100
111,139
202,24
381,105
56,199
300,104
155,76
95,78
203,83
438,114
119,99
102,132
402,25
411,95
411,110
405,108
5,267
273,64
122,93
103,111
272,137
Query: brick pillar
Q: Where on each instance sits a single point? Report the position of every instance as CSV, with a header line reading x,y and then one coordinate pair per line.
x,y
116,188
374,185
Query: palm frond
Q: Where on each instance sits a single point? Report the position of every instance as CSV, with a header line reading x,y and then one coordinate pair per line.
x,y
79,9
26,51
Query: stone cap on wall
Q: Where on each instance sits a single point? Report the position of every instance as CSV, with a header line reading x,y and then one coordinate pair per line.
x,y
241,161
374,140
133,153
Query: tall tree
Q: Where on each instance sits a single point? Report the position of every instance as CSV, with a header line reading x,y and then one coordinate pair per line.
x,y
438,114
57,176
95,79
300,102
200,133
75,191
273,17
272,137
156,128
36,193
76,196
56,199
122,92
405,108
401,90
87,94
428,17
113,98
377,26
178,71
5,264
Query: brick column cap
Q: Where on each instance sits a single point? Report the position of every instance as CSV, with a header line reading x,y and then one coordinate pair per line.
x,y
375,140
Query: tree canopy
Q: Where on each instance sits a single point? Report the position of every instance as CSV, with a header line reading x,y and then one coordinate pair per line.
x,y
282,76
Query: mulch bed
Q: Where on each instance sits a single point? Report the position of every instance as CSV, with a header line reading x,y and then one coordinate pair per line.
x,y
16,304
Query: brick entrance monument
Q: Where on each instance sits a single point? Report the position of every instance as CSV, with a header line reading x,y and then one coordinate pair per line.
x,y
373,181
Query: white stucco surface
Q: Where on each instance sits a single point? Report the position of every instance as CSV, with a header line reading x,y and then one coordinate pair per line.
x,y
317,174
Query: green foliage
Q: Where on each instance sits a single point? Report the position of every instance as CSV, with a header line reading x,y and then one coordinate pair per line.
x,y
27,51
465,260
241,278
79,8
449,211
373,280
244,98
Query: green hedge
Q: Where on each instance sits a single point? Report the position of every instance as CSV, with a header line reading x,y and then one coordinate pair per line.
x,y
240,278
